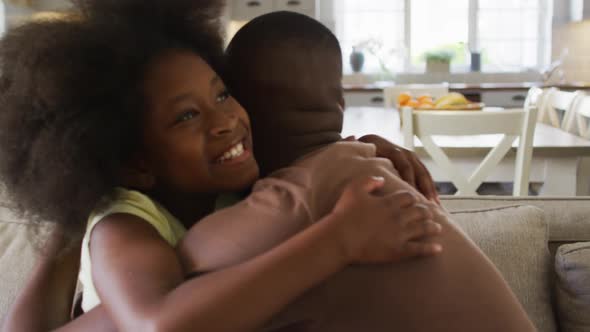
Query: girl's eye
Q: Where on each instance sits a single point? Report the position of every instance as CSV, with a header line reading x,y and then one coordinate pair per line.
x,y
223,96
185,116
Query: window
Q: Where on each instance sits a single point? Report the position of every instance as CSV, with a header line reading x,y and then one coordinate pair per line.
x,y
377,26
512,35
439,25
514,43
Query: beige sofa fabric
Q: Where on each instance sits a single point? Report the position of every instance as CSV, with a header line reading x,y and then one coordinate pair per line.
x,y
515,240
18,253
572,266
568,217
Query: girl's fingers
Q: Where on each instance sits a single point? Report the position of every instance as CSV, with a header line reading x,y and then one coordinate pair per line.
x,y
371,184
402,199
420,229
417,249
413,213
365,185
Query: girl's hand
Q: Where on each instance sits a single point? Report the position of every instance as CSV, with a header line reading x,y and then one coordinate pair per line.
x,y
380,229
408,165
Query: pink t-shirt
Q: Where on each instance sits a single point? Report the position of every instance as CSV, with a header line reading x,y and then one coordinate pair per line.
x,y
283,204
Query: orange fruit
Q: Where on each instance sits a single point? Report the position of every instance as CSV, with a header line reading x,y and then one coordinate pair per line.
x,y
426,104
403,98
412,103
425,99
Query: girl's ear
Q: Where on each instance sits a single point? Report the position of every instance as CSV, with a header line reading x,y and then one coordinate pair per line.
x,y
137,174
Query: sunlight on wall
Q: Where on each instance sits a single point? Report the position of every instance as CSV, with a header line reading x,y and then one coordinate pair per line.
x,y
233,28
574,36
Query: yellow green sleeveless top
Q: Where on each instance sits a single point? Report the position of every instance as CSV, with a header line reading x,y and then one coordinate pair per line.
x,y
134,203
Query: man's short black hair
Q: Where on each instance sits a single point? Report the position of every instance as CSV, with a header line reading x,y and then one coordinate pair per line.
x,y
288,31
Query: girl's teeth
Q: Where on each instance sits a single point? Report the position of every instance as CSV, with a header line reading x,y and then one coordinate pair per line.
x,y
236,151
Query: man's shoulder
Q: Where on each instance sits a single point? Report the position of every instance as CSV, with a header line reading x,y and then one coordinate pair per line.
x,y
340,151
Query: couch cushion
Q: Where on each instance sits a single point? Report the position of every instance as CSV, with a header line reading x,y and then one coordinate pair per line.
x,y
515,240
568,218
572,266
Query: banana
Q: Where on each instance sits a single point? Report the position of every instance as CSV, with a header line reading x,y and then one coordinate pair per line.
x,y
450,100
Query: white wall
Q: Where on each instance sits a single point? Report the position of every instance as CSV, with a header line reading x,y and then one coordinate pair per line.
x,y
16,13
574,37
2,19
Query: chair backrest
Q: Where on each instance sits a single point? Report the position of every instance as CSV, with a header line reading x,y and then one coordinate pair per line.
x,y
535,97
390,93
556,109
577,123
516,123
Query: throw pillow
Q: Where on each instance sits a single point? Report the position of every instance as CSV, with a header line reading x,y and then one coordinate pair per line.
x,y
515,239
572,266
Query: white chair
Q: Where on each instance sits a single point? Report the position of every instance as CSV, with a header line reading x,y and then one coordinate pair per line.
x,y
518,123
577,124
390,93
536,97
577,121
556,102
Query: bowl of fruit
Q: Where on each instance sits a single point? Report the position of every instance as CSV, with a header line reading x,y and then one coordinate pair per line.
x,y
453,101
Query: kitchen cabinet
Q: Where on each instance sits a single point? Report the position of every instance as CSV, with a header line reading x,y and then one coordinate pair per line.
x,y
294,5
245,10
508,99
358,99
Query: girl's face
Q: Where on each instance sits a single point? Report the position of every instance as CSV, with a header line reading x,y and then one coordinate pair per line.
x,y
196,136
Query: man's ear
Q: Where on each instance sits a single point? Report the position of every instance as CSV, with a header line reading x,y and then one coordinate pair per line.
x,y
137,174
341,101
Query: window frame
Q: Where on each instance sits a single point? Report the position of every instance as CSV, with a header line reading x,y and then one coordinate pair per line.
x,y
544,33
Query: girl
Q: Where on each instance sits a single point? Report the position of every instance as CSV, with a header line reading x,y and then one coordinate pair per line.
x,y
124,116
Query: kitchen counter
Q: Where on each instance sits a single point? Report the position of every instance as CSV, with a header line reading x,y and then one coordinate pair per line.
x,y
493,94
476,87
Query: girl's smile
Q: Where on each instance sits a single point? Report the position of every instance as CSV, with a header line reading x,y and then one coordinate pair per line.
x,y
235,154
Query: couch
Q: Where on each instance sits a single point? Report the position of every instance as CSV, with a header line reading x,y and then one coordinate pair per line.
x,y
541,246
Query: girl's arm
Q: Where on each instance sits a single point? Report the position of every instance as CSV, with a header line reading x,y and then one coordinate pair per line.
x,y
45,302
140,280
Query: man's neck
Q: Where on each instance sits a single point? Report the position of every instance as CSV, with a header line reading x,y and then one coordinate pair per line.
x,y
293,148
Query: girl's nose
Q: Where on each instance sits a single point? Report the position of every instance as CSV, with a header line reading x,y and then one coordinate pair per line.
x,y
223,123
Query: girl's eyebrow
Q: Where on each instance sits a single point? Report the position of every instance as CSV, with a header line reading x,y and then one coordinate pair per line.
x,y
180,98
188,95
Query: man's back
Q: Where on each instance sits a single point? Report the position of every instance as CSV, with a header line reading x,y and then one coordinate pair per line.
x,y
359,298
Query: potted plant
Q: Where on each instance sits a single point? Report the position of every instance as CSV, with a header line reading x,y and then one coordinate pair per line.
x,y
438,61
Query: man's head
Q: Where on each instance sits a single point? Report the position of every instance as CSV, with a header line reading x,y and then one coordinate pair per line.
x,y
286,70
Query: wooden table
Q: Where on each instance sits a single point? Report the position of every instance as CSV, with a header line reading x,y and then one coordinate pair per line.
x,y
556,153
